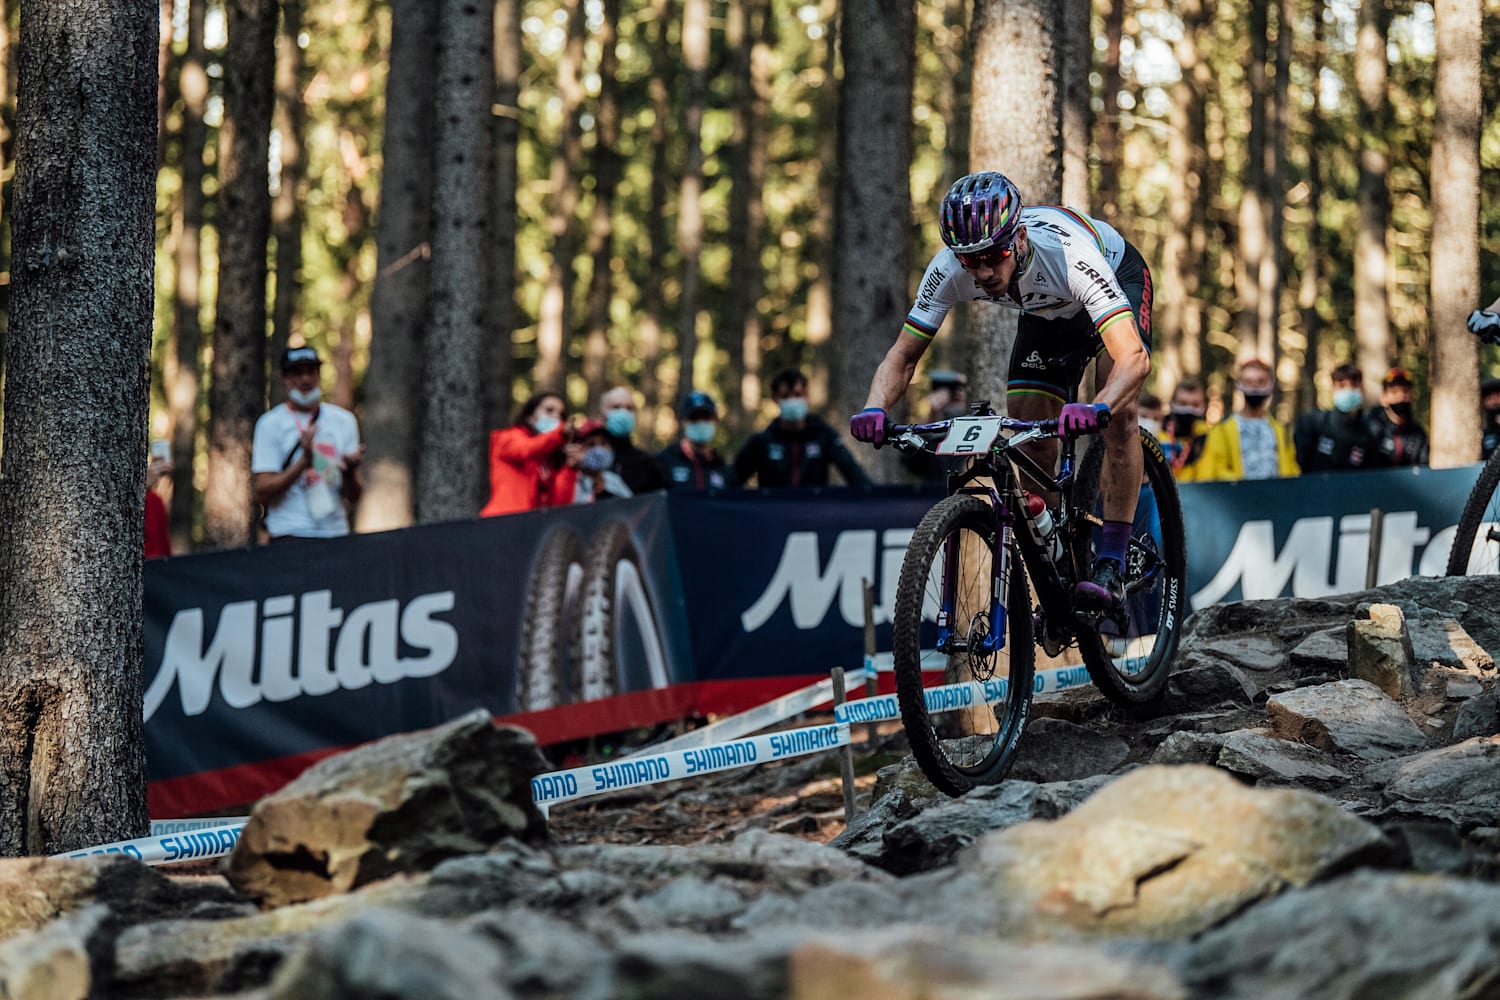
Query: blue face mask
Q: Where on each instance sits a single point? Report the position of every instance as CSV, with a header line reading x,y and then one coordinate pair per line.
x,y
793,411
544,424
619,423
1347,400
699,431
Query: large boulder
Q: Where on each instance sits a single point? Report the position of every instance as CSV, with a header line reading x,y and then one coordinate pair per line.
x,y
400,804
1169,851
1350,716
34,891
1458,784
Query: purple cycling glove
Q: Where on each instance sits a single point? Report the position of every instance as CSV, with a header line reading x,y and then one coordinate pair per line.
x,y
868,425
1082,418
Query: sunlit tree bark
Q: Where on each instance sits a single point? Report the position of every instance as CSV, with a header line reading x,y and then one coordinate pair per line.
x,y
1455,232
695,38
286,209
1372,324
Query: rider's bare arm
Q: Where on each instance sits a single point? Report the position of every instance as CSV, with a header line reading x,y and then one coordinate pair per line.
x,y
1494,306
896,371
1132,363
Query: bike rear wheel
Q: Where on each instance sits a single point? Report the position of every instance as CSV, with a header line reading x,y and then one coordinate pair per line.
x,y
1476,546
956,542
1130,658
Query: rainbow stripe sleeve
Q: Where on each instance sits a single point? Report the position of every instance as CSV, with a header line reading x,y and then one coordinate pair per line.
x,y
919,330
1113,316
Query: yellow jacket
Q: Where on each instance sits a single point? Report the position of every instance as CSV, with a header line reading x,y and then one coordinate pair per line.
x,y
1183,455
1221,452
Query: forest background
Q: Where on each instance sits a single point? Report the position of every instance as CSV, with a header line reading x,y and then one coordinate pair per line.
x,y
671,194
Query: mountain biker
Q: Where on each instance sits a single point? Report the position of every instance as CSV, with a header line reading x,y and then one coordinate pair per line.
x,y
1486,323
1083,292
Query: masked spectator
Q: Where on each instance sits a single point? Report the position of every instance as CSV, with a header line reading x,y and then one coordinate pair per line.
x,y
1184,429
1336,438
691,463
947,397
531,462
637,467
1395,436
597,478
798,447
1251,444
1150,412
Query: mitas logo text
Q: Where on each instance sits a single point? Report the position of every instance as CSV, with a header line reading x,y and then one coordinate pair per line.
x,y
285,647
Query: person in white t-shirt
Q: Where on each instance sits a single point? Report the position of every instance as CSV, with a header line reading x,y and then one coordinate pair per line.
x,y
306,457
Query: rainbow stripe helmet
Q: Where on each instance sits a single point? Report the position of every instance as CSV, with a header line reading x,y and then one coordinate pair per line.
x,y
980,211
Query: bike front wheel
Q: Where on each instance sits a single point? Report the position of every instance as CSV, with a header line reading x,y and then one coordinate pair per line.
x,y
1129,656
943,623
1476,546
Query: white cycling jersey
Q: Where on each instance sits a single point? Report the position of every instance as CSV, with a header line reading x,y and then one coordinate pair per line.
x,y
1070,266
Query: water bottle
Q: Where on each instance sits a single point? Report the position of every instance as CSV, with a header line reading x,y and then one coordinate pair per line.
x,y
1039,522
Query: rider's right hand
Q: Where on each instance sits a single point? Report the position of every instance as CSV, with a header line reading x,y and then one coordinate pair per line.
x,y
868,425
1485,323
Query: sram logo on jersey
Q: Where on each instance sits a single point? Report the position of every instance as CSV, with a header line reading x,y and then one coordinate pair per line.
x,y
266,652
1098,280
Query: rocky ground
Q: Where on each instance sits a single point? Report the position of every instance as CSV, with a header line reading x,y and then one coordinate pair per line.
x,y
1312,812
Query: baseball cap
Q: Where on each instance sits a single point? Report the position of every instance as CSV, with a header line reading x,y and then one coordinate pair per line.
x,y
698,402
1396,376
943,377
1488,386
294,357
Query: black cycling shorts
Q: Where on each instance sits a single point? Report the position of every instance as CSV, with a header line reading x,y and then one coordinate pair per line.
x,y
1051,354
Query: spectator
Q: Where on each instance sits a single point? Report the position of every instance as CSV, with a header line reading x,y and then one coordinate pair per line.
x,y
597,478
1336,438
305,456
692,463
1184,430
1251,444
1149,413
158,522
948,397
635,466
1489,398
798,447
1395,436
531,463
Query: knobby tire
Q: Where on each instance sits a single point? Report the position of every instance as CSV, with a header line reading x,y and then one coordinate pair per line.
x,y
1479,510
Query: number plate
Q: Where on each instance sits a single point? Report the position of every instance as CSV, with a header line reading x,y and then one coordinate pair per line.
x,y
970,436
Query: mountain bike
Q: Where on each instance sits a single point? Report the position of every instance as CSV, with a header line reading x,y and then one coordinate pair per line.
x,y
964,605
1480,521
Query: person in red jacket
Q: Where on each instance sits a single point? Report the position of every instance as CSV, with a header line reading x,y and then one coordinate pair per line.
x,y
532,463
158,523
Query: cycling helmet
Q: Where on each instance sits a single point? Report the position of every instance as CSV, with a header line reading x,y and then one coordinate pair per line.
x,y
980,211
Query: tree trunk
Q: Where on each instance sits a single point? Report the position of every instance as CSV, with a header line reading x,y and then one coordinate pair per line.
x,y
606,171
238,391
1455,231
1310,288
821,231
186,382
499,396
690,193
1253,227
163,77
398,302
291,194
871,292
752,22
72,748
1273,199
1017,129
555,321
1372,325
1176,331
1078,113
452,458
653,305
1109,124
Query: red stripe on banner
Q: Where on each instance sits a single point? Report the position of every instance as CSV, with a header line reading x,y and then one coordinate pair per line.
x,y
207,791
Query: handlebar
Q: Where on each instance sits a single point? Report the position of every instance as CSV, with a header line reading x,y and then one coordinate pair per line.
x,y
911,437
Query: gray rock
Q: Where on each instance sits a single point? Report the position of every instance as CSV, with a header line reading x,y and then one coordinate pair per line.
x,y
1054,750
399,804
1351,716
1380,651
1444,641
1264,758
1323,652
917,961
1166,852
56,961
1435,848
1478,716
542,955
1458,784
688,902
34,891
1208,684
679,964
1256,653
934,836
1369,934
1188,748
388,955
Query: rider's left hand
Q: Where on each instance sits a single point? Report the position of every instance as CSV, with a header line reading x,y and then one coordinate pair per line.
x,y
1485,323
1082,418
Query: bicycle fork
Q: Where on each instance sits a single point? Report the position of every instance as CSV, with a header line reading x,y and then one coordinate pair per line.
x,y
991,639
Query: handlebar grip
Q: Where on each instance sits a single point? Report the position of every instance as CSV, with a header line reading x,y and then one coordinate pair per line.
x,y
1105,416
